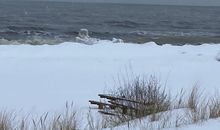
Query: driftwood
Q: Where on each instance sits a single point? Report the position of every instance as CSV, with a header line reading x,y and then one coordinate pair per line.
x,y
126,106
101,105
112,98
107,113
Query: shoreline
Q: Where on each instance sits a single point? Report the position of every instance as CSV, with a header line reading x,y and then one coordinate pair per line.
x,y
159,40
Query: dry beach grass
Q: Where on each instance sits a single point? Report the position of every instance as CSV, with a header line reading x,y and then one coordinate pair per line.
x,y
198,108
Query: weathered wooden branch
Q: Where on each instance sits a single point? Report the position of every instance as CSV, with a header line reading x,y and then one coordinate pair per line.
x,y
127,106
123,99
102,104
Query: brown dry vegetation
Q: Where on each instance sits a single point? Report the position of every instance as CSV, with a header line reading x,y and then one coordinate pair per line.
x,y
200,108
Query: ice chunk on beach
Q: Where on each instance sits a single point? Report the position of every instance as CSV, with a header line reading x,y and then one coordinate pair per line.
x,y
87,41
83,37
115,40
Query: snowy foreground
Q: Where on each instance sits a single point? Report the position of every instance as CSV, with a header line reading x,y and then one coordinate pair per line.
x,y
171,120
43,78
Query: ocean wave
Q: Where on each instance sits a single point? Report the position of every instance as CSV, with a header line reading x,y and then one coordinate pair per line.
x,y
136,40
22,33
8,42
169,33
33,41
18,28
40,37
125,23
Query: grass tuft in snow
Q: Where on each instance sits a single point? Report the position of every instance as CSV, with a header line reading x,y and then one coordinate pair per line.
x,y
95,122
184,109
197,105
214,107
65,121
6,120
164,113
144,91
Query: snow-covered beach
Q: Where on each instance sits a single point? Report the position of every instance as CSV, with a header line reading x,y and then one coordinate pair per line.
x,y
47,76
114,64
42,78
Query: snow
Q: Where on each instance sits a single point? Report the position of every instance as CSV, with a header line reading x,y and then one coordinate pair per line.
x,y
42,78
218,56
169,122
213,124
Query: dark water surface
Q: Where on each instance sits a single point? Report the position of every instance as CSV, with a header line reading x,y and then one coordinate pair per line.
x,y
54,22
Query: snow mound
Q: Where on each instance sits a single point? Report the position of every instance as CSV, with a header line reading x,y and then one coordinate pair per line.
x,y
169,120
218,56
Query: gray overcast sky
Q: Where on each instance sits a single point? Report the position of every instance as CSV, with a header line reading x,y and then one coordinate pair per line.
x,y
167,2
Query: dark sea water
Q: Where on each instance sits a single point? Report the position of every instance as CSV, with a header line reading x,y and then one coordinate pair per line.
x,y
55,22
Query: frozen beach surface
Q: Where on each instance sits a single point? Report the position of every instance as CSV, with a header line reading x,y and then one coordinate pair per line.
x,y
42,78
218,56
169,122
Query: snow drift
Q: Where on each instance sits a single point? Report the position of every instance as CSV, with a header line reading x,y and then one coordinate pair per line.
x,y
218,56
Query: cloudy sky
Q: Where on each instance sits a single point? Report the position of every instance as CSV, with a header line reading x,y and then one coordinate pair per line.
x,y
167,2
